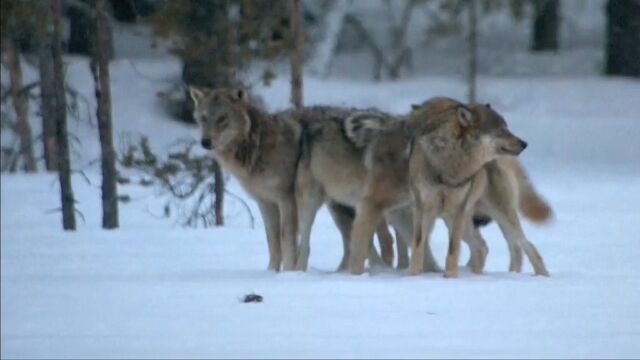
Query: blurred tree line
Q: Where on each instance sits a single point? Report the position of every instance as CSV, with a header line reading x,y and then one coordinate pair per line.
x,y
218,39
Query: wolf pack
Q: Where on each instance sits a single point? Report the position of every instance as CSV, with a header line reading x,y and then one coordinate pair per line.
x,y
443,159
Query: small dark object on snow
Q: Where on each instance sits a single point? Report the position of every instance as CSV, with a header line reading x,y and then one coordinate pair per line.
x,y
252,298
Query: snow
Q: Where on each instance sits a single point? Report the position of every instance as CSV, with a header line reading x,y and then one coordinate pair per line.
x,y
152,289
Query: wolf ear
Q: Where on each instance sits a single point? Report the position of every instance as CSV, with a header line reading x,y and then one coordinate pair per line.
x,y
198,93
488,105
361,127
464,116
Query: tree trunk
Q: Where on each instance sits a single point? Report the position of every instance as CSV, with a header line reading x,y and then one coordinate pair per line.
x,y
399,30
623,37
47,107
379,61
82,29
64,167
326,49
297,53
473,50
20,103
545,25
219,193
100,70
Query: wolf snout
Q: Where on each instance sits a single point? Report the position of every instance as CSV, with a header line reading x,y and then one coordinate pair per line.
x,y
206,143
523,144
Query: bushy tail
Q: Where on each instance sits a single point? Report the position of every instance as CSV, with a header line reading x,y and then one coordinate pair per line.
x,y
532,205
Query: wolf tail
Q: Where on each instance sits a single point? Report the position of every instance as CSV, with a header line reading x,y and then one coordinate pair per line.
x,y
532,205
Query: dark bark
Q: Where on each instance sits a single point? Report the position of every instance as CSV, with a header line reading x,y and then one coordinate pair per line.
x,y
297,53
47,106
130,10
100,70
82,29
623,38
64,166
219,193
545,25
20,103
473,50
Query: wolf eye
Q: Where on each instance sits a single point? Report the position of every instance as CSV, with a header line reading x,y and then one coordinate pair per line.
x,y
222,120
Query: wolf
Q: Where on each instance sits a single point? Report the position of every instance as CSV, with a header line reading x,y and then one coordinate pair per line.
x,y
452,157
332,166
262,151
509,189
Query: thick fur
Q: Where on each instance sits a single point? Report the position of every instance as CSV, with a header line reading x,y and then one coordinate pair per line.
x,y
448,173
262,151
507,179
333,167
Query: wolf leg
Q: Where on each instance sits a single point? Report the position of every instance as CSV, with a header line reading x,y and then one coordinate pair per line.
x,y
477,247
456,227
288,232
271,219
402,250
512,229
308,203
343,218
368,216
423,222
515,257
385,239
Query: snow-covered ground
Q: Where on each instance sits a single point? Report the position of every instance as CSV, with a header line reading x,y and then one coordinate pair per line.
x,y
152,289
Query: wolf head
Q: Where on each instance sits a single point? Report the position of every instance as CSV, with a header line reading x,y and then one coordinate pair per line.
x,y
444,123
222,115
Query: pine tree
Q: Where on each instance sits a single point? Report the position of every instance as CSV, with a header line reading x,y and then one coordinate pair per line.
x,y
100,70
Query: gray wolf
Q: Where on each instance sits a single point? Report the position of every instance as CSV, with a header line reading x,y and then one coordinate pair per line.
x,y
450,156
262,151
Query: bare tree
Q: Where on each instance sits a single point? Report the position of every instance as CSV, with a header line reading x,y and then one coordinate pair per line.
x,y
326,49
400,50
11,59
297,53
545,25
398,30
623,38
100,71
64,166
47,107
472,71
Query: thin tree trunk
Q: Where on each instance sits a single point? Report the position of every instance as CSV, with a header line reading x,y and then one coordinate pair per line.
x,y
219,193
399,40
379,61
545,25
473,49
100,70
20,103
623,38
64,166
297,54
326,49
47,96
